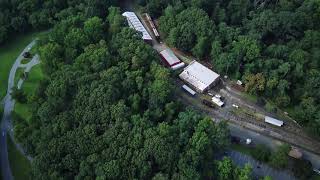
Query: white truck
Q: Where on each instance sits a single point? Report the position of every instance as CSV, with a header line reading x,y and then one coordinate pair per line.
x,y
217,101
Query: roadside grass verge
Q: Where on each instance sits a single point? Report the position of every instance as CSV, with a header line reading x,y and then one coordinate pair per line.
x,y
33,78
20,165
315,177
8,54
29,87
25,60
18,75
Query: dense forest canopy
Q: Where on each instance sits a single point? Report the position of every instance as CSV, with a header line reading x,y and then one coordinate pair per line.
x,y
106,110
273,46
24,15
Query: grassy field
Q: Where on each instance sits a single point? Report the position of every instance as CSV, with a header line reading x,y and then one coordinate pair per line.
x,y
34,77
315,177
29,86
8,54
20,166
25,60
18,75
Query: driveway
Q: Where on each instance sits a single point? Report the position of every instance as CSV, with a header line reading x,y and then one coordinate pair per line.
x,y
6,123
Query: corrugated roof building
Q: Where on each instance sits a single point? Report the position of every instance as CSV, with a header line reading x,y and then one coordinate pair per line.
x,y
171,59
135,23
199,76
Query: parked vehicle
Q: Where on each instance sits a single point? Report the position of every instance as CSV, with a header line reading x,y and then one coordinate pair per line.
x,y
248,141
27,54
208,103
218,96
316,171
235,106
217,101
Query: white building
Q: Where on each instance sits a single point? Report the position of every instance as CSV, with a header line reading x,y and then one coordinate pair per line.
x,y
171,59
199,76
135,23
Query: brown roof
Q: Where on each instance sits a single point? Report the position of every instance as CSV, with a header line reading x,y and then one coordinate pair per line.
x,y
295,153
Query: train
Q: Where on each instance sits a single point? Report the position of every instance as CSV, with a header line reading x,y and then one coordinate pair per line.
x,y
154,29
273,121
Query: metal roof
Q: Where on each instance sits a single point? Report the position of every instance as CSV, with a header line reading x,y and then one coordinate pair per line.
x,y
273,121
169,56
177,66
198,75
135,23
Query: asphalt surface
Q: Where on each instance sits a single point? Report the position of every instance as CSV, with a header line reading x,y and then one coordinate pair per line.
x,y
6,123
259,169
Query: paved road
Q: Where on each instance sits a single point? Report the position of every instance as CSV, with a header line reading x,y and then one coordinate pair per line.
x,y
259,169
6,123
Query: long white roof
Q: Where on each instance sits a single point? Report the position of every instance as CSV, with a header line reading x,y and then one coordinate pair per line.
x,y
135,23
273,121
169,56
198,75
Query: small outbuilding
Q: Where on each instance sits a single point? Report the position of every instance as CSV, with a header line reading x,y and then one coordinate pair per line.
x,y
295,153
171,60
199,76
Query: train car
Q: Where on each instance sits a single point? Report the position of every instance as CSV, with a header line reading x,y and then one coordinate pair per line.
x,y
189,90
273,121
154,29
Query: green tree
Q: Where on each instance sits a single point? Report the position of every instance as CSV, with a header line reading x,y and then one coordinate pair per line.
x,y
279,159
225,169
302,169
254,83
94,28
244,173
201,48
261,153
19,95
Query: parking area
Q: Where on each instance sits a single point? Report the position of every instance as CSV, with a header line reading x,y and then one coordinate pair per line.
x,y
259,169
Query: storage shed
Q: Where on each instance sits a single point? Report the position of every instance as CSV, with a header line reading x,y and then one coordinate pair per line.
x,y
135,23
295,153
199,76
171,59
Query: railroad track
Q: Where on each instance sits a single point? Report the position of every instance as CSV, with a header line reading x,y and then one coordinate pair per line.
x,y
288,135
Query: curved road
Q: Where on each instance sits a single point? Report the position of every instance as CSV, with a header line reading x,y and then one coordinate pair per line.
x,y
6,124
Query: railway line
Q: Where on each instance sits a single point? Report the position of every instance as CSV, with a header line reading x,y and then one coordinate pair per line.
x,y
286,133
